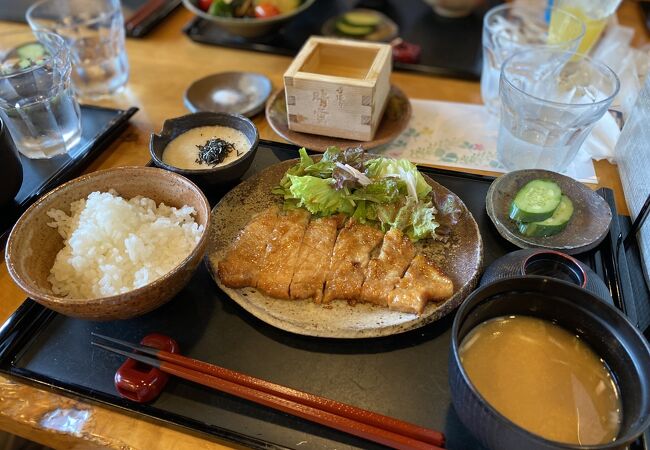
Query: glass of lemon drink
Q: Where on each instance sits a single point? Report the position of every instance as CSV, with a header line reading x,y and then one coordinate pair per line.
x,y
594,13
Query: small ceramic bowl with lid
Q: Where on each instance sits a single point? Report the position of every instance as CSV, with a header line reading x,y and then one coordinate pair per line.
x,y
208,148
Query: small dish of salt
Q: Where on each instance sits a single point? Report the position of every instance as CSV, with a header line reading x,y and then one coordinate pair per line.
x,y
242,93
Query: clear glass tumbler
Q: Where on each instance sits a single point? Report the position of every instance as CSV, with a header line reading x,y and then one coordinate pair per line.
x,y
550,101
94,31
36,100
510,28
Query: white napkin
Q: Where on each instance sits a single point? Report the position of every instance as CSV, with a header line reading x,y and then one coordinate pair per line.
x,y
601,142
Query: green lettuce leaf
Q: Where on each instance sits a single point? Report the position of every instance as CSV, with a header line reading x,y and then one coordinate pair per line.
x,y
352,156
361,211
416,219
321,169
382,191
423,222
332,154
402,170
327,167
305,160
299,169
319,197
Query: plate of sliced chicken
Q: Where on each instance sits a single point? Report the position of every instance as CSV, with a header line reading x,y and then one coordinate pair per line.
x,y
349,245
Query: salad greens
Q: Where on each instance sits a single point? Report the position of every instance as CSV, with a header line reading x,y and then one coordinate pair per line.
x,y
383,192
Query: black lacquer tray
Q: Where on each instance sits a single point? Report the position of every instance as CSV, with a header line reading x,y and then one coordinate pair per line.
x,y
450,47
136,22
99,127
404,376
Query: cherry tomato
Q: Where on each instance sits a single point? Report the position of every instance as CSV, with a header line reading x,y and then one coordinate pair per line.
x,y
265,10
204,4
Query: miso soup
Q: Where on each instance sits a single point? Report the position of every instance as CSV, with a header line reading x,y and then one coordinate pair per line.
x,y
544,379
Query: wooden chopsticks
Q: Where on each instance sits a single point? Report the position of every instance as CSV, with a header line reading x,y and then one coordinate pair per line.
x,y
343,417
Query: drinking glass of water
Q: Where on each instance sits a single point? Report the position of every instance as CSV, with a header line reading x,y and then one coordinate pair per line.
x,y
36,100
550,101
94,31
510,28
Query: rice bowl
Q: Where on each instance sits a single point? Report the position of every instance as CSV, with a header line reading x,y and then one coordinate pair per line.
x,y
114,245
32,246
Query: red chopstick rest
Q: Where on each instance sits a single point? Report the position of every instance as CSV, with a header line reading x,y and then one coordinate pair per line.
x,y
140,382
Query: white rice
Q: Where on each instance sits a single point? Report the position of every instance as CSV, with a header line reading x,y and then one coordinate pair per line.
x,y
113,245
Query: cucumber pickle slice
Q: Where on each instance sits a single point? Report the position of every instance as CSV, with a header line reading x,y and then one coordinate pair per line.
x,y
33,51
536,201
362,18
23,57
553,225
353,30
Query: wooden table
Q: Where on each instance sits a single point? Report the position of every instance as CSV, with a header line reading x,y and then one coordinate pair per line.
x,y
162,66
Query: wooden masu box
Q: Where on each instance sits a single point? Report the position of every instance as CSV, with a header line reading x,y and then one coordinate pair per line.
x,y
338,88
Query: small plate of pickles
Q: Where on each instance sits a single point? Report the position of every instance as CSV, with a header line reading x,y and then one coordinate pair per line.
x,y
543,209
363,24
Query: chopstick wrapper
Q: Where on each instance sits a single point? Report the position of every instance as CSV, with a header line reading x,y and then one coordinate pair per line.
x,y
633,157
464,136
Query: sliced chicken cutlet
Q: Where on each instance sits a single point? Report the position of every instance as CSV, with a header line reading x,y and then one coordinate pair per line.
x,y
281,256
314,258
422,282
350,258
385,271
241,265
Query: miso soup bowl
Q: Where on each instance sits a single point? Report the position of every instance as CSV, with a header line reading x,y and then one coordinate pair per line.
x,y
600,325
212,176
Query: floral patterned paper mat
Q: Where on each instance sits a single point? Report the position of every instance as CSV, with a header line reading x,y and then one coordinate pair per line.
x,y
462,135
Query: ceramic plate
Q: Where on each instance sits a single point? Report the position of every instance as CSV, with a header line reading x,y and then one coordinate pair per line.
x,y
242,93
586,229
395,119
461,258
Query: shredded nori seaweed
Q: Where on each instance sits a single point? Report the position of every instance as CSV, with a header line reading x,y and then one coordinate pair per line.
x,y
214,151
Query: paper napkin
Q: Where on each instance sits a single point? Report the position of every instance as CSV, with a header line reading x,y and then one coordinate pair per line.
x,y
463,135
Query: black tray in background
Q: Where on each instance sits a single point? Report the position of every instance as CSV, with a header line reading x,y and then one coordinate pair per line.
x,y
645,8
450,47
404,376
99,127
14,11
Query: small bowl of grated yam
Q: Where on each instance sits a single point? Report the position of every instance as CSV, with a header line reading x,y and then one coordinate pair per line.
x,y
113,244
209,148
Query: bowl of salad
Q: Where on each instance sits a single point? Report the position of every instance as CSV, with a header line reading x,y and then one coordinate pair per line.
x,y
248,18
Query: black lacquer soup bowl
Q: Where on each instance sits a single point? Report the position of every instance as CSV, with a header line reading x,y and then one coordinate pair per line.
x,y
601,326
